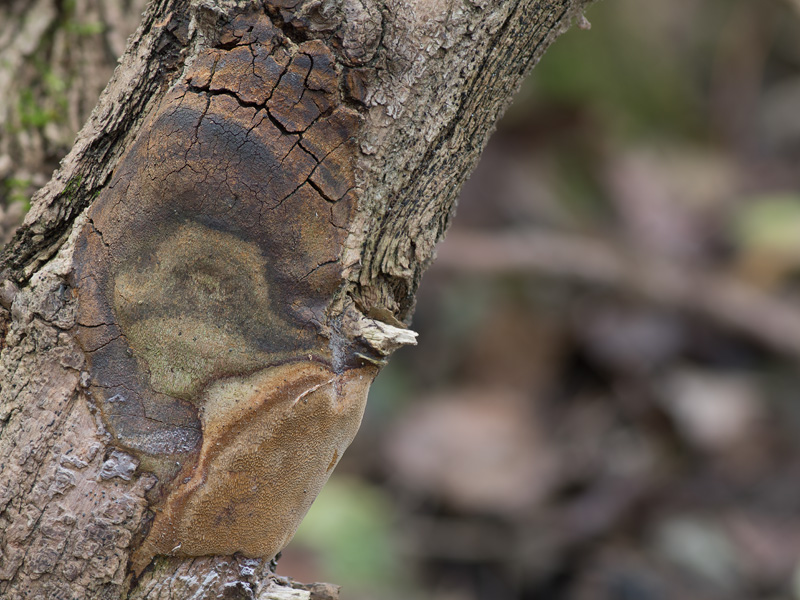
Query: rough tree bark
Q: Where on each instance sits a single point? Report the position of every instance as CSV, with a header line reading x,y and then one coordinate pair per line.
x,y
199,298
56,56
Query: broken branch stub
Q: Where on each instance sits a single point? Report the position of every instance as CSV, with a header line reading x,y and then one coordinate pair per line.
x,y
205,272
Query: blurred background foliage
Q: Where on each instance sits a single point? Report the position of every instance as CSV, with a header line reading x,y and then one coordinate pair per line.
x,y
604,403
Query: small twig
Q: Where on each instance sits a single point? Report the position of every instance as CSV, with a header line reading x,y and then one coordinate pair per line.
x,y
721,298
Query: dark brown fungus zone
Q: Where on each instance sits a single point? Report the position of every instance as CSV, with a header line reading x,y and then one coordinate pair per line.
x,y
204,271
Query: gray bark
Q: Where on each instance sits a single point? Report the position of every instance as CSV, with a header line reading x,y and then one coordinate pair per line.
x,y
429,78
56,59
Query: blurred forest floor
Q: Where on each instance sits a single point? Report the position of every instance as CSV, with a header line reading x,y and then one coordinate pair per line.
x,y
605,400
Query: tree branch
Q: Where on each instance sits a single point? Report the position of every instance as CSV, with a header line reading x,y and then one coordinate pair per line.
x,y
200,297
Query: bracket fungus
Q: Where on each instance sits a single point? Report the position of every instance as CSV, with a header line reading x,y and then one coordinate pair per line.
x,y
205,272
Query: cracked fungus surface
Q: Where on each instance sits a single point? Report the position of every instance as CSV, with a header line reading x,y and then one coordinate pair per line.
x,y
203,275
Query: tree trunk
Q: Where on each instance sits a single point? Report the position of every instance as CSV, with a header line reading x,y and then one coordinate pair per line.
x,y
198,300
